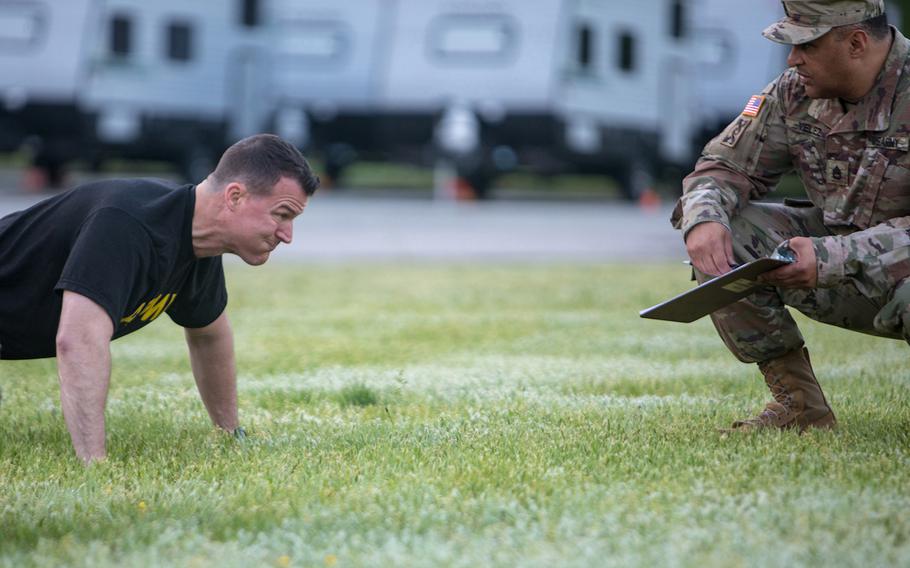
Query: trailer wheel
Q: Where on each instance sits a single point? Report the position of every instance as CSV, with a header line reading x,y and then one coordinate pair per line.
x,y
481,183
197,164
636,180
478,176
333,173
52,171
338,157
48,164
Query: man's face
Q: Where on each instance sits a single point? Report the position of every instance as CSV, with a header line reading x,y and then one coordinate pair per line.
x,y
823,66
261,222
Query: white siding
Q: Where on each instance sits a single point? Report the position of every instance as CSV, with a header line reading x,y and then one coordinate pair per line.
x,y
495,52
328,53
42,49
147,79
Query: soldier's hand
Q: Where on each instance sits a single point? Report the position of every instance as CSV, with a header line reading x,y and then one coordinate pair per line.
x,y
801,274
710,248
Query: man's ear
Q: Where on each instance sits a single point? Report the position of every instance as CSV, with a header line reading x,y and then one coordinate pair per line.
x,y
234,194
858,43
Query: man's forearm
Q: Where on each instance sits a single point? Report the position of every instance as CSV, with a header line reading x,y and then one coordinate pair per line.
x,y
877,258
212,359
84,369
84,373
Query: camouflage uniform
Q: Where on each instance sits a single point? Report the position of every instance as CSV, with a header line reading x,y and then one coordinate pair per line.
x,y
855,166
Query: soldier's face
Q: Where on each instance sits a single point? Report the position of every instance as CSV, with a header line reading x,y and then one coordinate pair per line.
x,y
262,222
823,67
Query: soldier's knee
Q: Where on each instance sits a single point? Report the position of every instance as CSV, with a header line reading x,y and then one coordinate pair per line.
x,y
752,237
894,318
742,227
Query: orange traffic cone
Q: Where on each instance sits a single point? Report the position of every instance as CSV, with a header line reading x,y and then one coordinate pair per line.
x,y
649,200
464,191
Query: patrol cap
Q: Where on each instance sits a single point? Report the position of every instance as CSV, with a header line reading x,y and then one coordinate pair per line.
x,y
807,20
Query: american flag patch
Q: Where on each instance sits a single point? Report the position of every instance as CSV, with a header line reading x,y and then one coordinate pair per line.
x,y
754,105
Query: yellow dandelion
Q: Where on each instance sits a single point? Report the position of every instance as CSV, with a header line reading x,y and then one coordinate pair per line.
x,y
142,506
331,559
284,561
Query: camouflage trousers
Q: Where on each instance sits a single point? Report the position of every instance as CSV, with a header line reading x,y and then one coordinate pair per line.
x,y
760,327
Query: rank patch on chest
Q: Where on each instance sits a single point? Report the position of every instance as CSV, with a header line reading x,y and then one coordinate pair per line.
x,y
734,132
753,107
901,143
838,172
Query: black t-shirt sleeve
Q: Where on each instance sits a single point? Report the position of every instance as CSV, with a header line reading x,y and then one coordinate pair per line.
x,y
203,296
109,262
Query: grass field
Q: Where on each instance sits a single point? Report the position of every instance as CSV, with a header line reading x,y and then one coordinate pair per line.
x,y
423,415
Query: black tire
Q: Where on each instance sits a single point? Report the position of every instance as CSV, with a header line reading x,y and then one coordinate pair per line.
x,y
333,173
52,166
481,183
637,178
197,164
338,157
478,175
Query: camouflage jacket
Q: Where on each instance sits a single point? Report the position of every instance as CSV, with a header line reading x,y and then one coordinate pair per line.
x,y
855,166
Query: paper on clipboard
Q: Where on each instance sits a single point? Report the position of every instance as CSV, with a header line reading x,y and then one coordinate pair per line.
x,y
716,293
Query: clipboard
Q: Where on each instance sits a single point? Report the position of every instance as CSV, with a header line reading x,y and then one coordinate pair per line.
x,y
715,293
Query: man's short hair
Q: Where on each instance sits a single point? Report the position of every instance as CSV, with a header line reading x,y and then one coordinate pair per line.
x,y
260,161
877,28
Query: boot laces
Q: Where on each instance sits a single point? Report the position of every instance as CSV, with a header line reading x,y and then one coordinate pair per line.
x,y
780,393
773,413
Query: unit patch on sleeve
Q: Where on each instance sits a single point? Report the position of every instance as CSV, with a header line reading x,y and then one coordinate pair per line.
x,y
753,107
732,134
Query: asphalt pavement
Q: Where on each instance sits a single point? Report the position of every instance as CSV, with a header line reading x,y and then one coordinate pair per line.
x,y
335,226
346,226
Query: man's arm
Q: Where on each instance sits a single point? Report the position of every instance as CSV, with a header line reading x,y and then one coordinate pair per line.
x,y
743,163
875,259
710,247
212,359
800,274
84,369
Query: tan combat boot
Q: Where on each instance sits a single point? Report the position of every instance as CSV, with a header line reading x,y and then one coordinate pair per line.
x,y
798,399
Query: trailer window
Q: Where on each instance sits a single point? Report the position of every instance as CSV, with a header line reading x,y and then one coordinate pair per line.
x,y
678,19
179,41
626,61
249,13
474,38
584,52
316,40
121,38
20,25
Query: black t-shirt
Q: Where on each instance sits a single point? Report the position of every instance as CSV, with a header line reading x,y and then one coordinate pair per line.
x,y
124,244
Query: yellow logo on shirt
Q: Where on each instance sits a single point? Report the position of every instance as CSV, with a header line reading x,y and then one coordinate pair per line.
x,y
147,311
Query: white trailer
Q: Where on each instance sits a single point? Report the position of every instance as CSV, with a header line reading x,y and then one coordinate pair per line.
x,y
733,59
489,85
43,50
552,84
177,79
328,60
172,79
